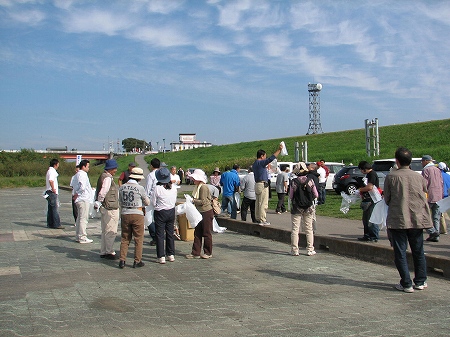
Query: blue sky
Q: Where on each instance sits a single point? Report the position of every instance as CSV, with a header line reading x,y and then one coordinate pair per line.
x,y
82,73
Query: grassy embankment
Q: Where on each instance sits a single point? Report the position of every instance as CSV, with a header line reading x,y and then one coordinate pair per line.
x,y
346,146
28,168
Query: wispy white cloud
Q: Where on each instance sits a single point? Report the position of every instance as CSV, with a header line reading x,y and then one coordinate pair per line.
x,y
96,21
164,7
169,36
29,17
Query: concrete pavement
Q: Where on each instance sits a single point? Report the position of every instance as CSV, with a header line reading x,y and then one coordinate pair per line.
x,y
52,286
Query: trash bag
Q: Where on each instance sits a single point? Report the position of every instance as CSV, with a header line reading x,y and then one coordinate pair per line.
x,y
192,214
348,200
148,219
379,214
217,228
180,209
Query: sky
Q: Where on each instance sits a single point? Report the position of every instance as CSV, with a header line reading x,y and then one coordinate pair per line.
x,y
86,74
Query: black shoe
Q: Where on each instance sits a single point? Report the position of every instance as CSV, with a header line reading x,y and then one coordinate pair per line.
x,y
153,243
121,264
138,264
60,227
102,256
364,238
111,256
374,240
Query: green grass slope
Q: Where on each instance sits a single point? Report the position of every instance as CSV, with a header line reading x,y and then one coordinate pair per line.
x,y
345,146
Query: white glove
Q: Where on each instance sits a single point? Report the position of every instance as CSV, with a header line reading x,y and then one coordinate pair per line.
x,y
97,205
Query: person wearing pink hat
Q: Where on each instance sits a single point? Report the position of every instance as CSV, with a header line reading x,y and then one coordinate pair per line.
x,y
202,200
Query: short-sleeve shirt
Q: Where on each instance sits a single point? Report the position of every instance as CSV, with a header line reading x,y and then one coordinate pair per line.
x,y
372,178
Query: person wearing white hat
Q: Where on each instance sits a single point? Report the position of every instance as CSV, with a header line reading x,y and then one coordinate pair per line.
x,y
132,199
203,231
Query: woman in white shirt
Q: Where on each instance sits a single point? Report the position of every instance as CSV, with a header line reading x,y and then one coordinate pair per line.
x,y
163,199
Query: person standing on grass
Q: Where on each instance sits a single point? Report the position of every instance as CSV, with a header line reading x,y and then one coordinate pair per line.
x,y
408,215
281,188
52,190
262,185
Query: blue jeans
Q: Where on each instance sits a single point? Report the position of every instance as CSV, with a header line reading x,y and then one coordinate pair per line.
x,y
322,193
436,217
53,220
229,200
400,239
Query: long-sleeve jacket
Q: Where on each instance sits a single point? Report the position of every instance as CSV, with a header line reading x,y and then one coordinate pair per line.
x,y
405,194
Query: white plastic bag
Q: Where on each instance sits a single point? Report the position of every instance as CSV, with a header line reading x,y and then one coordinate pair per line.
x,y
283,150
193,215
375,195
180,209
148,219
217,228
379,214
348,200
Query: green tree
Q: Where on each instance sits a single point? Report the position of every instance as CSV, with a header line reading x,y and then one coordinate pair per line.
x,y
130,143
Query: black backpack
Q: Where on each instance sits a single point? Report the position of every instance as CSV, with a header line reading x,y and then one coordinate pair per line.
x,y
303,195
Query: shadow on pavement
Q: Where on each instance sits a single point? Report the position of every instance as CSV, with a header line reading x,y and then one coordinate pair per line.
x,y
328,279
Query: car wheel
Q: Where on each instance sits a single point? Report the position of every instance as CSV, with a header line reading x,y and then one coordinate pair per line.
x,y
351,189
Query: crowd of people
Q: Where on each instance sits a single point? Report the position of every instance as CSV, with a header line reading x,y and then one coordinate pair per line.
x,y
412,201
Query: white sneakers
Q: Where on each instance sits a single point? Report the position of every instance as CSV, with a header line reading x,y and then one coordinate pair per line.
x,y
401,288
86,241
311,253
162,260
421,287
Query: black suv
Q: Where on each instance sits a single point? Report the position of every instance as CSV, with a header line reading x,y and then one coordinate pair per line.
x,y
350,178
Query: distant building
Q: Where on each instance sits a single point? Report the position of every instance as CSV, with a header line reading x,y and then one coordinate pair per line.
x,y
187,141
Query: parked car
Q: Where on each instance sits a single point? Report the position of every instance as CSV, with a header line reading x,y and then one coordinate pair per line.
x,y
350,178
334,168
242,173
386,165
187,178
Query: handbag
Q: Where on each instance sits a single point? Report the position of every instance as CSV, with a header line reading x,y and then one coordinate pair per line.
x,y
217,209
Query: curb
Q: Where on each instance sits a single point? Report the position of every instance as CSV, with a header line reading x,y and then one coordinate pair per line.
x,y
355,249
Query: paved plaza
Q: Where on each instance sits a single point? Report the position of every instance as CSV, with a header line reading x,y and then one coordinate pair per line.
x,y
52,286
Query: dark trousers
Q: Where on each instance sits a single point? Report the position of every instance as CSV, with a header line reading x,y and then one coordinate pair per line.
x,y
203,232
400,239
246,203
280,205
53,220
74,210
164,220
371,230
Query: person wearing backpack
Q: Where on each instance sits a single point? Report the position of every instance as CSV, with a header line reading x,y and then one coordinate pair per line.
x,y
302,193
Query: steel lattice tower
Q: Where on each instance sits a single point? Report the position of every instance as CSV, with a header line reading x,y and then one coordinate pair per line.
x,y
314,109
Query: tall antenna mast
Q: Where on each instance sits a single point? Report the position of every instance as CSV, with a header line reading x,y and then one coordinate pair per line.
x,y
314,109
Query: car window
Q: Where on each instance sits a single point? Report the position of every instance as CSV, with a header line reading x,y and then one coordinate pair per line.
x,y
416,166
382,165
334,168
